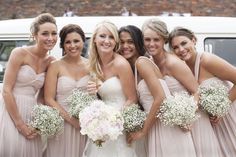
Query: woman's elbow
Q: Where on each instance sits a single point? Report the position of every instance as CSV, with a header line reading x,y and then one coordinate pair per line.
x,y
6,92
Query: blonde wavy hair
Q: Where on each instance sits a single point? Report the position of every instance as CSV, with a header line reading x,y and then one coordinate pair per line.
x,y
94,58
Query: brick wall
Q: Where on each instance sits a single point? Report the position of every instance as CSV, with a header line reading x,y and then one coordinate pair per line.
x,y
31,8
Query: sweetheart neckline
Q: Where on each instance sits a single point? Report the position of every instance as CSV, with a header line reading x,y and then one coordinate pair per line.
x,y
32,69
68,77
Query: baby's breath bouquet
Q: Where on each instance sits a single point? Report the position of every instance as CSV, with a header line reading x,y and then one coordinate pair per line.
x,y
46,120
101,122
134,118
78,100
214,98
178,109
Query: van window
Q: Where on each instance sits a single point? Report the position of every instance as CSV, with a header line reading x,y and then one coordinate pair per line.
x,y
5,50
223,47
86,48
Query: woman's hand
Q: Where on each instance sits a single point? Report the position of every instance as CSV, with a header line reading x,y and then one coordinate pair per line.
x,y
92,88
214,120
26,131
74,122
186,128
132,136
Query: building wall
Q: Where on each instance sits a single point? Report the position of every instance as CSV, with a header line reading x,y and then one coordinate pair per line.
x,y
30,8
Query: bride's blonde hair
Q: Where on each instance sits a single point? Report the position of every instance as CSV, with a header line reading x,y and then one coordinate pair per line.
x,y
94,58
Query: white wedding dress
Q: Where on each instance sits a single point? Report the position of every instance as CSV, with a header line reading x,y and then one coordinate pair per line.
x,y
112,94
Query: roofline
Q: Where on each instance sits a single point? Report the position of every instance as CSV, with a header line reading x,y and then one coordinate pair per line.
x,y
199,24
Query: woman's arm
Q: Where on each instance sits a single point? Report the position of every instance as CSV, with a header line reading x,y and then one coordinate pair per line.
x,y
151,76
181,72
220,68
16,60
126,77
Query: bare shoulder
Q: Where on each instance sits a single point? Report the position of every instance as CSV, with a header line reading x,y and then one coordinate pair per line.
x,y
55,64
172,61
145,64
206,56
17,56
142,61
18,52
209,59
120,62
147,68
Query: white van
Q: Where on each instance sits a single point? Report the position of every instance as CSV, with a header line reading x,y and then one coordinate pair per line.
x,y
215,34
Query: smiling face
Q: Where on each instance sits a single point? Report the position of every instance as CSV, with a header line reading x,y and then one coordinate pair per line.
x,y
46,37
128,49
183,47
104,40
153,41
73,44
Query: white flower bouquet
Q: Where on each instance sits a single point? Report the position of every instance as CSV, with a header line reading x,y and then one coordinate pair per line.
x,y
178,109
46,120
214,98
134,118
101,122
78,100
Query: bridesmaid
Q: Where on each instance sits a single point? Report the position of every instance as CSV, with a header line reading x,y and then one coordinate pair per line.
x,y
152,90
132,47
23,80
179,77
63,76
206,68
132,44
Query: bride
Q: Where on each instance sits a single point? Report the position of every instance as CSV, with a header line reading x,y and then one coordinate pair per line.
x,y
114,72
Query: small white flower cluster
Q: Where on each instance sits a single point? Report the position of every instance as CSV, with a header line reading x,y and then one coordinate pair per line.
x,y
46,120
178,109
134,118
101,122
78,100
214,98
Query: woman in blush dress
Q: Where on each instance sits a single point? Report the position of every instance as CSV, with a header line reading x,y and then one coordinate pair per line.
x,y
132,44
23,79
132,47
163,141
117,85
64,75
208,67
179,77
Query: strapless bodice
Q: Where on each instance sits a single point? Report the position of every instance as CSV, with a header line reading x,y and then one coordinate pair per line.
x,y
28,82
65,86
111,92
